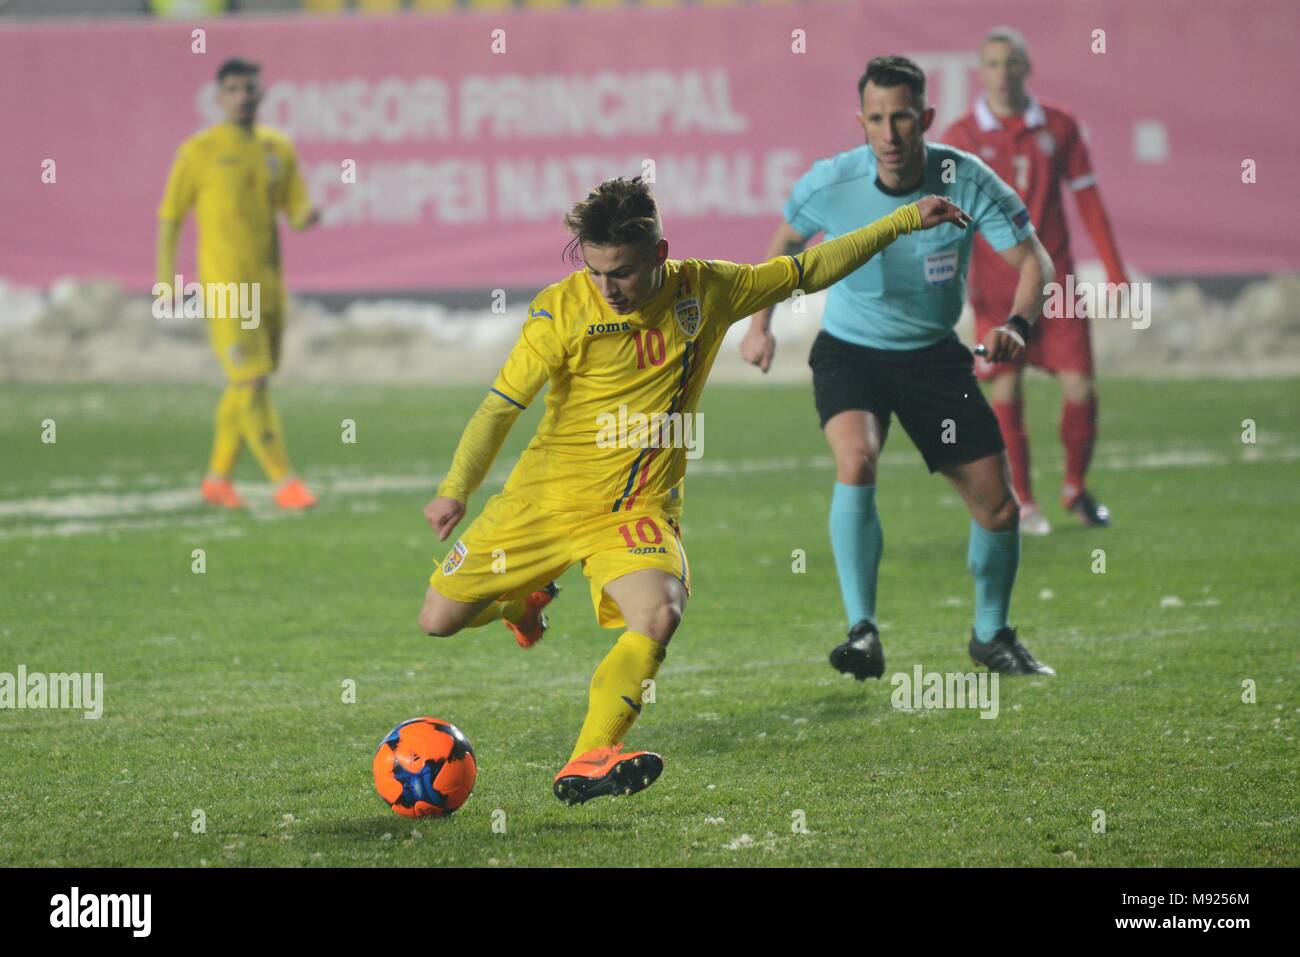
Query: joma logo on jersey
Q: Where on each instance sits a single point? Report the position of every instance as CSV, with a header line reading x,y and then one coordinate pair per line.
x,y
687,312
600,328
454,560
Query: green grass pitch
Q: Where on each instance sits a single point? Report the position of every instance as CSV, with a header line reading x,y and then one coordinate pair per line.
x,y
224,690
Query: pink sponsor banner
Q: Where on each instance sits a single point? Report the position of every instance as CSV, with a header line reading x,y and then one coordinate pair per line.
x,y
472,134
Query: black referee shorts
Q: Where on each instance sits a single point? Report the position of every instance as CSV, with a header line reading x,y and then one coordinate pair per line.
x,y
933,390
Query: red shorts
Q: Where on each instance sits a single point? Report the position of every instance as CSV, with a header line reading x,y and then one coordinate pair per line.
x,y
1058,345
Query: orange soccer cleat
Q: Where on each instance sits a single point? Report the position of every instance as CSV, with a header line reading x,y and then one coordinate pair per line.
x,y
293,494
220,491
606,771
529,629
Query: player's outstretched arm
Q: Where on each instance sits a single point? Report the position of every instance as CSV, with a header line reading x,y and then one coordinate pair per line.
x,y
829,262
538,354
759,345
479,444
756,288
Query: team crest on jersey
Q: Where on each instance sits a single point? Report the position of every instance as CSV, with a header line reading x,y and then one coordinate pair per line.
x,y
454,560
687,312
988,152
1047,143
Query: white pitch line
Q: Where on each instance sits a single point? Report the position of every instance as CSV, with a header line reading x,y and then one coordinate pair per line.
x,y
87,513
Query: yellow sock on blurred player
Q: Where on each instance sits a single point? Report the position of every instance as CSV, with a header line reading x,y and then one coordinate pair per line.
x,y
262,431
229,437
616,687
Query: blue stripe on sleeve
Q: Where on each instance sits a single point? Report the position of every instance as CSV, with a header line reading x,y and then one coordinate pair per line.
x,y
508,399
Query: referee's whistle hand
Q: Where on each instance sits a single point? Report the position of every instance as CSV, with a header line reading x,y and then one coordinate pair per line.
x,y
936,210
1003,344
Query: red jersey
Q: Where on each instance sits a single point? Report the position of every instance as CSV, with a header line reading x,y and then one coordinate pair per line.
x,y
1036,153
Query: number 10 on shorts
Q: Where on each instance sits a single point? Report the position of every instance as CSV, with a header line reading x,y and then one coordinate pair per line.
x,y
646,530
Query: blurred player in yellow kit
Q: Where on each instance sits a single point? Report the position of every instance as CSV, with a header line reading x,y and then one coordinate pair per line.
x,y
633,334
237,175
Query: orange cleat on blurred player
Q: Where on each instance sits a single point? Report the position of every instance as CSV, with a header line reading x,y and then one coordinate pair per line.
x,y
293,494
220,491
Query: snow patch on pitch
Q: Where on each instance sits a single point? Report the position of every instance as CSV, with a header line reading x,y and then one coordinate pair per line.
x,y
92,331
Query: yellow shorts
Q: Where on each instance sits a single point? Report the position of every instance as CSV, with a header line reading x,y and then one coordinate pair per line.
x,y
247,353
515,547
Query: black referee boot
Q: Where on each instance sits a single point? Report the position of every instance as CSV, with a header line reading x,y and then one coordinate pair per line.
x,y
1006,655
1090,511
861,655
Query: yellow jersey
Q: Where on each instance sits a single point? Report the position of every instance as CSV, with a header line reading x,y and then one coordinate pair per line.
x,y
236,180
613,376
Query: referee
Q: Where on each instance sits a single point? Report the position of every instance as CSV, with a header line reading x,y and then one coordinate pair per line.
x,y
887,347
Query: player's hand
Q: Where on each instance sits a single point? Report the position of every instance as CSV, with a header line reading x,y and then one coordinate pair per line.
x,y
936,210
758,347
443,514
1003,344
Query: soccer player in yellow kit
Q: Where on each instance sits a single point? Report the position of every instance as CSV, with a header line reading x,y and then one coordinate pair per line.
x,y
633,329
237,176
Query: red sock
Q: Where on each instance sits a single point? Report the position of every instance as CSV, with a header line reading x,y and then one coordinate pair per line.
x,y
1078,436
1011,418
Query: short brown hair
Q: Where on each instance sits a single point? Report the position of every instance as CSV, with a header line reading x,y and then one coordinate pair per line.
x,y
618,212
887,71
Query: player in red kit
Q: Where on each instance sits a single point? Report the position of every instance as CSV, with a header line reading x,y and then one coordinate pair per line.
x,y
1036,147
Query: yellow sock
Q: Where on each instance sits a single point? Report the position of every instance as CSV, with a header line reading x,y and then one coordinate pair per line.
x,y
262,431
227,439
510,608
616,688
